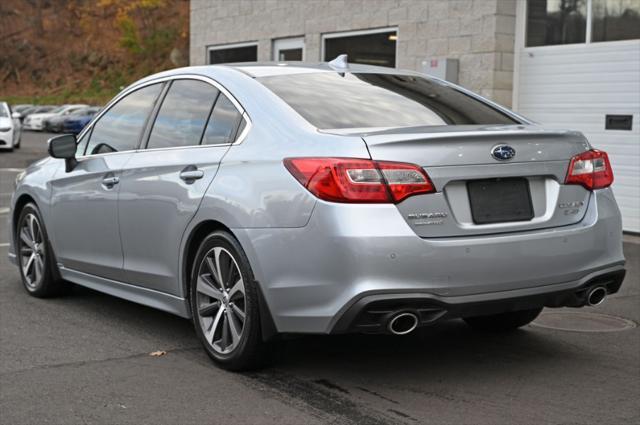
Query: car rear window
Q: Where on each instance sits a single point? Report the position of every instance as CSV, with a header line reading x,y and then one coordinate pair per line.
x,y
331,100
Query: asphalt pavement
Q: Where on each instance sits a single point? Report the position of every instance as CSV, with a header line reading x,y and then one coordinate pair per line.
x,y
85,359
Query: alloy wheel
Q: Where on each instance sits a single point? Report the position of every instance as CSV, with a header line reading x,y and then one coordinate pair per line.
x,y
221,300
32,251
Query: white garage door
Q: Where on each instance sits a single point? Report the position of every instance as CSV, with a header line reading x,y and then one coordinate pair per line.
x,y
576,86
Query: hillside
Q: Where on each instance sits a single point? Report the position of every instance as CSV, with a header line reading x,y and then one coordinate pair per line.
x,y
56,51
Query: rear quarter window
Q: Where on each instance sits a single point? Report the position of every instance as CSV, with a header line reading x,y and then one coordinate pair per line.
x,y
223,123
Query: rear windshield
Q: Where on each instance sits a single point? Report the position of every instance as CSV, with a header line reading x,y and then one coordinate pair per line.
x,y
329,100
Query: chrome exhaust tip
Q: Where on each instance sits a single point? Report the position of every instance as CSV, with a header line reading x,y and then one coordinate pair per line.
x,y
403,323
596,295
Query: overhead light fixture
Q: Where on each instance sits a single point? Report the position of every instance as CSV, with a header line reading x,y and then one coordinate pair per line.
x,y
393,37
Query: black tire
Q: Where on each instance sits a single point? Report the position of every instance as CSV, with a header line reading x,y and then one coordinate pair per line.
x,y
49,283
249,352
503,322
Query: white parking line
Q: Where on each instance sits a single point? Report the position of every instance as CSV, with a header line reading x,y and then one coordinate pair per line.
x,y
2,245
4,210
11,170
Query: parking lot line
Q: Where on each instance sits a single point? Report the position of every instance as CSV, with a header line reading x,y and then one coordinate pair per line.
x,y
11,170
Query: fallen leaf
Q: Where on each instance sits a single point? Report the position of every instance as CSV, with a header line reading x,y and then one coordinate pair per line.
x,y
157,353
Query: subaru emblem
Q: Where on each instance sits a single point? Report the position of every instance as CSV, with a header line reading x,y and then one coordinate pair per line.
x,y
503,152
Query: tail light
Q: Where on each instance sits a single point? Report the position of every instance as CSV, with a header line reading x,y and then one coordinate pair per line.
x,y
352,180
590,169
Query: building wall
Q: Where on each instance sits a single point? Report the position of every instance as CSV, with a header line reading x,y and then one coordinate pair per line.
x,y
480,33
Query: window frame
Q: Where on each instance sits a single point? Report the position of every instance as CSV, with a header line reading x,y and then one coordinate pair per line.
x,y
214,47
522,20
107,108
144,146
287,43
346,34
144,137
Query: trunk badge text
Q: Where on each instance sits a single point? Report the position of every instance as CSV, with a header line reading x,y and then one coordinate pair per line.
x,y
427,219
503,152
571,208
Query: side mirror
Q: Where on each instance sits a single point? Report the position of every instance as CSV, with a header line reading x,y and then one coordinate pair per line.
x,y
64,147
16,115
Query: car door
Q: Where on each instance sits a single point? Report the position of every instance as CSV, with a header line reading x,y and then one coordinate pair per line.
x,y
162,186
84,200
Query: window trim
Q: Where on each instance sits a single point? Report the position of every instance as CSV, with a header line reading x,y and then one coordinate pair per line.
x,y
144,146
111,105
239,138
227,46
151,119
346,34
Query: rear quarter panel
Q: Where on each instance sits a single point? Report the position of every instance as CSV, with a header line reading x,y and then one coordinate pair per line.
x,y
253,188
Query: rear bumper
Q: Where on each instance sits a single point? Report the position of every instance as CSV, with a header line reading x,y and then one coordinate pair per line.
x,y
371,313
310,275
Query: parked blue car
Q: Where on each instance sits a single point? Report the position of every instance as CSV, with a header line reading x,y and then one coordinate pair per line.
x,y
75,123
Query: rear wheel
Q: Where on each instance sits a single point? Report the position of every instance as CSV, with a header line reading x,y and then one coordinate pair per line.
x,y
224,302
35,257
503,322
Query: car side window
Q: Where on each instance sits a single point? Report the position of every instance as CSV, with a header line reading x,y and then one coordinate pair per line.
x,y
120,128
223,123
183,114
82,143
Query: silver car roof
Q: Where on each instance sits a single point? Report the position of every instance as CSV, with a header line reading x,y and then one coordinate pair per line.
x,y
265,69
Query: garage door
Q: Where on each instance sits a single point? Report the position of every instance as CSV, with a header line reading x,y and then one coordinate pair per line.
x,y
582,86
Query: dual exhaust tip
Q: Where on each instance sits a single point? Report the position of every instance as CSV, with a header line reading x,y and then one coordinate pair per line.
x,y
406,322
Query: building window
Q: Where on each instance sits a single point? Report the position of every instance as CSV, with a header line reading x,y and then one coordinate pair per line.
x,y
615,20
372,47
245,52
288,49
551,22
556,22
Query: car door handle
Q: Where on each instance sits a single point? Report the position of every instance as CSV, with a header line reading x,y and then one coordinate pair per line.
x,y
191,174
110,181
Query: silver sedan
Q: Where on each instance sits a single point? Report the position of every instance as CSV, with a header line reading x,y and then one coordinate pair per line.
x,y
268,199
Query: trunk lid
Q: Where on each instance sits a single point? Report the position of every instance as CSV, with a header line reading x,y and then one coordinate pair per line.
x,y
454,156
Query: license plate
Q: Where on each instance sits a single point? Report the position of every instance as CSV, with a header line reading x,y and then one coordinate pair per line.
x,y
500,200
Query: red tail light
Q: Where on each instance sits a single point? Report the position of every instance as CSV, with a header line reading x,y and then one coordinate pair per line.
x,y
354,180
590,169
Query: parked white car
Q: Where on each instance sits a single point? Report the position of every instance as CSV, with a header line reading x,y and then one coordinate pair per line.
x,y
37,121
10,128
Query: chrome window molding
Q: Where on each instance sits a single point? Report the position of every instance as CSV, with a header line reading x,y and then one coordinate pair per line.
x,y
239,138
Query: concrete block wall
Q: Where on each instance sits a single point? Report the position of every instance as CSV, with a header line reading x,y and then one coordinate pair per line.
x,y
479,33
